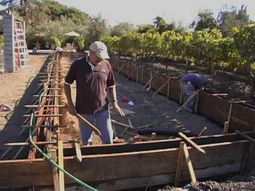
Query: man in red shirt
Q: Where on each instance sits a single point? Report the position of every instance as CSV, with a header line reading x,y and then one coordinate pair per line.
x,y
94,78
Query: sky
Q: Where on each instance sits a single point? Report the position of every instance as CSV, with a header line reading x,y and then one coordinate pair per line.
x,y
144,11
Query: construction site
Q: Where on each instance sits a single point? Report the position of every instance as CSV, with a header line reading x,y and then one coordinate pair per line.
x,y
157,145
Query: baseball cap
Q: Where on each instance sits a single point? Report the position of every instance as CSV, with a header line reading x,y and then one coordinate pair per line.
x,y
100,49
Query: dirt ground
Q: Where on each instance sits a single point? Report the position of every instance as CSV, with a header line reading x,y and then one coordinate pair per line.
x,y
236,183
16,90
158,111
146,112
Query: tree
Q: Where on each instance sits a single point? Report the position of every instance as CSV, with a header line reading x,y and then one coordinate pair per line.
x,y
122,29
204,20
160,24
245,44
97,29
230,18
57,10
34,13
146,28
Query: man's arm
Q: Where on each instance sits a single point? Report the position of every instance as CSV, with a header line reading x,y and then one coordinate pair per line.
x,y
68,93
113,95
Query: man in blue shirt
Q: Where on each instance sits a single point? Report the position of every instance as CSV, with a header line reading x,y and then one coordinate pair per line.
x,y
190,84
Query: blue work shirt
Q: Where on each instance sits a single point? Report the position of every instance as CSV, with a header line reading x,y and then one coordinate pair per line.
x,y
196,80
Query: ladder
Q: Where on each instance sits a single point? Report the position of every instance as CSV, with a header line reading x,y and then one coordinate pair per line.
x,y
21,51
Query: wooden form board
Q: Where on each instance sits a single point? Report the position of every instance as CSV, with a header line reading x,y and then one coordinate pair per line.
x,y
38,172
153,145
212,107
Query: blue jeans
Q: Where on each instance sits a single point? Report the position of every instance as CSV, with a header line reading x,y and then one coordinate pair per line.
x,y
188,91
102,120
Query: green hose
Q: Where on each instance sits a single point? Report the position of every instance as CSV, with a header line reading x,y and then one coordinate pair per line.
x,y
55,164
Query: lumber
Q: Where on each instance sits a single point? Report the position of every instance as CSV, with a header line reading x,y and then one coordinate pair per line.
x,y
38,172
189,99
245,136
55,174
179,164
226,127
61,164
189,164
202,132
196,105
149,82
78,151
185,138
161,87
121,124
154,136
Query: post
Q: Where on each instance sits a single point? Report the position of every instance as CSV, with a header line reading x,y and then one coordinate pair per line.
x,y
168,84
226,127
179,165
153,136
230,112
195,111
61,164
189,164
137,74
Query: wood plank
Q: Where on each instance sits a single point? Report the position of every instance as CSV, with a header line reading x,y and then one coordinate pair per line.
x,y
55,174
61,164
78,151
189,164
185,138
153,145
179,165
93,168
245,136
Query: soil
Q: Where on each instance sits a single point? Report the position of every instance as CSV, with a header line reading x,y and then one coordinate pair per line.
x,y
17,90
236,183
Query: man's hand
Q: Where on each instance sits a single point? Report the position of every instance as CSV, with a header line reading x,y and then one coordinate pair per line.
x,y
72,109
117,107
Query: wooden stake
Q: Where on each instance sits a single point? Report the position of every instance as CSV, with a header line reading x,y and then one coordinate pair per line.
x,y
230,113
153,136
53,154
131,75
167,82
190,98
78,151
121,68
245,136
137,74
181,95
151,79
61,164
195,111
168,89
179,165
156,83
189,164
202,132
226,127
149,82
142,74
185,138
